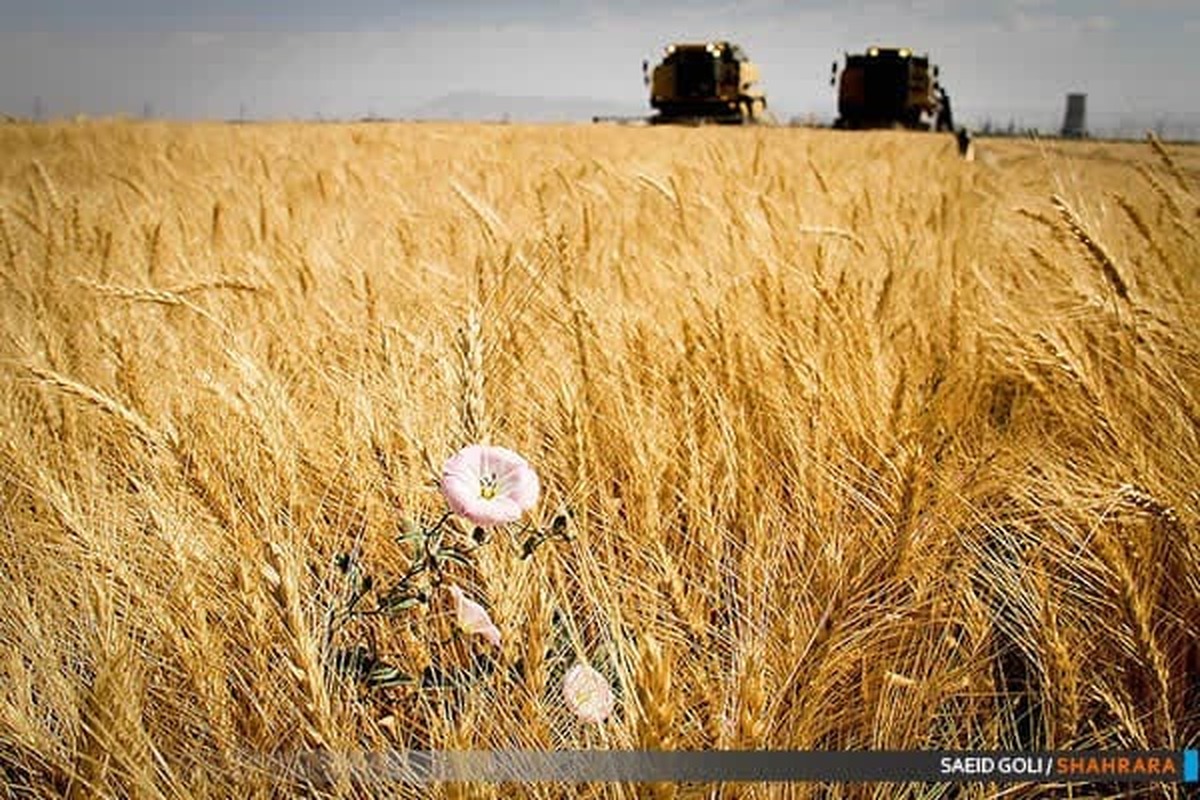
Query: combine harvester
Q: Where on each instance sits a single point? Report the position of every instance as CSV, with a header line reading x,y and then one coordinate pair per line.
x,y
892,87
703,83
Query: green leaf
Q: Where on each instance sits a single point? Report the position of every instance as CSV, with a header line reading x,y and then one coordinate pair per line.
x,y
385,676
353,661
360,663
411,531
399,599
455,556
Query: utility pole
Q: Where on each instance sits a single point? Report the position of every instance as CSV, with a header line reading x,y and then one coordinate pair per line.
x,y
38,109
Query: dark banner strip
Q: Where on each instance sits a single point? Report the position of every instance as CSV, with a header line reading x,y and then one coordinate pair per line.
x,y
583,766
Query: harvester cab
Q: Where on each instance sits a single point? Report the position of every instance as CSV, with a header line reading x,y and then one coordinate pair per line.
x,y
705,82
891,87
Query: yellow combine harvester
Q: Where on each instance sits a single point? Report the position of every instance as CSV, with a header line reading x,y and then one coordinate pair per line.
x,y
891,87
705,82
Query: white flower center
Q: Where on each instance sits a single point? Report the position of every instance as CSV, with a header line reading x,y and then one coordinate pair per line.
x,y
487,486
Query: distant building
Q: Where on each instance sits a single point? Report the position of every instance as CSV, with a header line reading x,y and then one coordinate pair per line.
x,y
1075,120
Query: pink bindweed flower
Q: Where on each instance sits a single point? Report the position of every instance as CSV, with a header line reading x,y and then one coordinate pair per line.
x,y
587,693
488,485
472,617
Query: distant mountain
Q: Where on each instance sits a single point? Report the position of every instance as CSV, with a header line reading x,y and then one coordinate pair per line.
x,y
490,107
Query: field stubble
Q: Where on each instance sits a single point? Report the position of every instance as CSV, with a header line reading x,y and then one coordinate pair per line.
x,y
866,446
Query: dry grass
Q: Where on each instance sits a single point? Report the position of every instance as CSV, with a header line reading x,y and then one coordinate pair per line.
x,y
867,446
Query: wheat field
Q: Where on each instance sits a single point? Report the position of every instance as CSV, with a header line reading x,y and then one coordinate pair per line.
x,y
859,445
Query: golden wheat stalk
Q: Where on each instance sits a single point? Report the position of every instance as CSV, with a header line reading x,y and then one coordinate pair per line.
x,y
132,184
1141,614
48,184
657,185
116,750
1096,250
133,421
143,294
837,233
658,706
220,282
1163,193
161,297
751,727
472,407
10,248
1161,151
1046,221
489,221
303,659
1140,225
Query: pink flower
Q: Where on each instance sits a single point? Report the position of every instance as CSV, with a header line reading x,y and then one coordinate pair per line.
x,y
587,693
489,485
472,617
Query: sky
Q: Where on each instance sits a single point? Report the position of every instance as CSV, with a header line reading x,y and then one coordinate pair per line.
x,y
999,59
